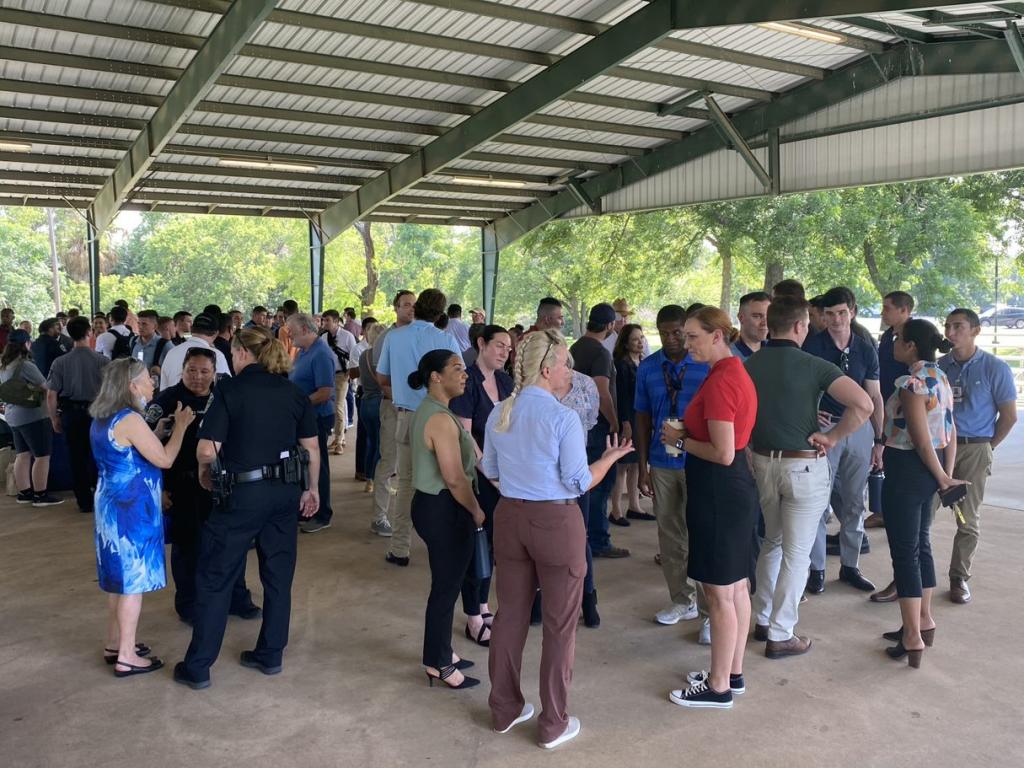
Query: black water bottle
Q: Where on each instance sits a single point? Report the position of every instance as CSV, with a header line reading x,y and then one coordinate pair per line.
x,y
875,480
481,555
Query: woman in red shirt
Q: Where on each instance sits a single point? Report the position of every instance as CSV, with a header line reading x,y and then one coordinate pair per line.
x,y
721,503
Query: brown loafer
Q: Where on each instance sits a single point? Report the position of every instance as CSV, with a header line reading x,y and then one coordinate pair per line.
x,y
887,595
760,632
959,592
780,649
874,521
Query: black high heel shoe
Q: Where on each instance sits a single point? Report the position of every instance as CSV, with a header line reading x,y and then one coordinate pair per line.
x,y
478,639
928,635
898,652
446,672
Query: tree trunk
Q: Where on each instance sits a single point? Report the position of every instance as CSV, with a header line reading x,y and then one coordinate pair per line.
x,y
725,253
871,263
369,292
773,273
576,314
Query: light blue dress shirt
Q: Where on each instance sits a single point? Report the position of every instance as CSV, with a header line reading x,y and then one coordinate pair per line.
x,y
543,455
980,385
400,356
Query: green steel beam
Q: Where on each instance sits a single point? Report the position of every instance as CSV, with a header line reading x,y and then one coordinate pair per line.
x,y
886,28
859,77
738,142
317,257
230,34
1016,44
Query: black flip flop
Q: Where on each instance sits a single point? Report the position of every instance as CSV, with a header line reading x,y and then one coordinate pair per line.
x,y
110,654
153,666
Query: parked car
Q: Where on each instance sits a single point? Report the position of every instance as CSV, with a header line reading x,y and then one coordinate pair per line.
x,y
1004,317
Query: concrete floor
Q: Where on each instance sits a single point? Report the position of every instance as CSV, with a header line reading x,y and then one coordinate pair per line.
x,y
353,694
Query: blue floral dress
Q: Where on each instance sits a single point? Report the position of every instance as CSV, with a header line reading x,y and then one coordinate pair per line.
x,y
129,520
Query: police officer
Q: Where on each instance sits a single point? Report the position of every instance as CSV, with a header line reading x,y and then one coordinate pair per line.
x,y
190,502
252,435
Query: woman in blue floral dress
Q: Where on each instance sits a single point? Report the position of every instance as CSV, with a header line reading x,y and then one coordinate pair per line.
x,y
129,519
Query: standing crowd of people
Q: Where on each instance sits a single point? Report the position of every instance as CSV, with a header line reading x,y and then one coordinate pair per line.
x,y
509,448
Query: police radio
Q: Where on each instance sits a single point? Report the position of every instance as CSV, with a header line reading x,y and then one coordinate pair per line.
x,y
220,481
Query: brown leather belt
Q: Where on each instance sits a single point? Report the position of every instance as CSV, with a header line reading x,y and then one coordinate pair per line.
x,y
787,454
544,501
972,440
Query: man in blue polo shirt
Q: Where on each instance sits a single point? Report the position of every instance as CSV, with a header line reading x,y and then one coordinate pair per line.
x,y
313,372
400,356
851,458
984,410
666,381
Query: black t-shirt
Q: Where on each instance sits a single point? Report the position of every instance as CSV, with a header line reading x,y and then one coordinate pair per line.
x,y
225,349
589,357
257,416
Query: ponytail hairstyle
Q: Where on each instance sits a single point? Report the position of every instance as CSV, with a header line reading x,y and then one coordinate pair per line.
x,y
713,319
926,339
537,351
435,361
268,351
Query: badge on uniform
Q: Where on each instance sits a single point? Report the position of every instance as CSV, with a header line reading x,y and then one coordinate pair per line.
x,y
958,393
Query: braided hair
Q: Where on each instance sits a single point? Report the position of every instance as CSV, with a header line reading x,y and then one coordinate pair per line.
x,y
537,350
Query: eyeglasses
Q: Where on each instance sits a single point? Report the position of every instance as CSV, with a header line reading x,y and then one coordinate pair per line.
x,y
545,357
844,361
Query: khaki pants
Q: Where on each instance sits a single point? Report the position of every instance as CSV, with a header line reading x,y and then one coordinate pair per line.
x,y
669,486
386,466
340,408
536,544
401,520
973,464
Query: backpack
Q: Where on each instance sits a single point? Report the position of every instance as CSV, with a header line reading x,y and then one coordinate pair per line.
x,y
17,391
340,353
122,345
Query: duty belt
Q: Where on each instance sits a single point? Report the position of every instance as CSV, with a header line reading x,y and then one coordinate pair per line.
x,y
269,472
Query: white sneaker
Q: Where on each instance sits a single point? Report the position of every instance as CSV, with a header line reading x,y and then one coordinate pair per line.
x,y
675,613
525,715
704,637
572,730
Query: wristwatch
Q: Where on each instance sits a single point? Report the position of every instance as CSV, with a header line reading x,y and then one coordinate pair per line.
x,y
880,440
679,445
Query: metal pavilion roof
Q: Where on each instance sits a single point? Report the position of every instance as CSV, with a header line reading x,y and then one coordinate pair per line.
x,y
344,103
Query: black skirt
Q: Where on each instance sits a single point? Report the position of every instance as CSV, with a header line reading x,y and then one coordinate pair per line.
x,y
721,512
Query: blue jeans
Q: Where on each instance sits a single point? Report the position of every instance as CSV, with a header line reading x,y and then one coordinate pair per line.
x,y
324,426
588,580
350,403
597,528
369,419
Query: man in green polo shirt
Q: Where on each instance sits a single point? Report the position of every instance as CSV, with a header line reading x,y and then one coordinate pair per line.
x,y
790,467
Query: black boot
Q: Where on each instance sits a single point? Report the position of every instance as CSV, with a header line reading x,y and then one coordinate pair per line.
x,y
590,616
816,582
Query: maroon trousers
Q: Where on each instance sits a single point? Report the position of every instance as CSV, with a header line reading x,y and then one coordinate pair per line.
x,y
536,544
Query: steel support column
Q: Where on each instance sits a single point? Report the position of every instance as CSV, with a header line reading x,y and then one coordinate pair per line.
x,y
92,247
317,251
1013,39
489,260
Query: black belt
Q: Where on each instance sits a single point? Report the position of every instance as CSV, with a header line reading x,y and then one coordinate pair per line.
x,y
270,472
972,440
400,409
67,402
545,501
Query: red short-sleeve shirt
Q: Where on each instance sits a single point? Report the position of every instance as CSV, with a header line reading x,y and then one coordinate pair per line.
x,y
727,394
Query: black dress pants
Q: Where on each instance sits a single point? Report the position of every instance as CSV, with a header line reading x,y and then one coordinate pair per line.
x,y
191,506
76,422
265,511
907,495
447,529
477,591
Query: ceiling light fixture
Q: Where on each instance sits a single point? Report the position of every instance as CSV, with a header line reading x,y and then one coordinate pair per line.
x,y
233,162
806,32
483,182
15,146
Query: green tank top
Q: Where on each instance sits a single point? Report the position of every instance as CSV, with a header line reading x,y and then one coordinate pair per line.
x,y
426,474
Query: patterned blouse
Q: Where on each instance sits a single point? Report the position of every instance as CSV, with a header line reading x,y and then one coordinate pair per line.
x,y
925,379
583,399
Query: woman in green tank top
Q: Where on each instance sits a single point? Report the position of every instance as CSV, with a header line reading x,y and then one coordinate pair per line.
x,y
445,510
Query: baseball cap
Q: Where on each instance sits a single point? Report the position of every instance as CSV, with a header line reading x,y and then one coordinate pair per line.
x,y
602,314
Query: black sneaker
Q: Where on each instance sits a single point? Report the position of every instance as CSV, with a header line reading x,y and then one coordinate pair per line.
x,y
45,500
401,562
700,695
612,552
736,684
25,497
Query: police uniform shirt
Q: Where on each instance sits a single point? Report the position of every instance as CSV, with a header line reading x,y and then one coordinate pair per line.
x,y
164,405
257,416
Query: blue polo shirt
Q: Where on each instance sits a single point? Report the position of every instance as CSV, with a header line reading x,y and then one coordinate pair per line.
x,y
400,356
980,385
654,375
313,369
889,368
740,349
859,361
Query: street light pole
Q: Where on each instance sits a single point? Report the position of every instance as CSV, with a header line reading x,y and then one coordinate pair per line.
x,y
53,259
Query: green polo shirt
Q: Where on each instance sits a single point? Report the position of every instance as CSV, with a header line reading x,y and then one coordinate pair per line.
x,y
789,383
